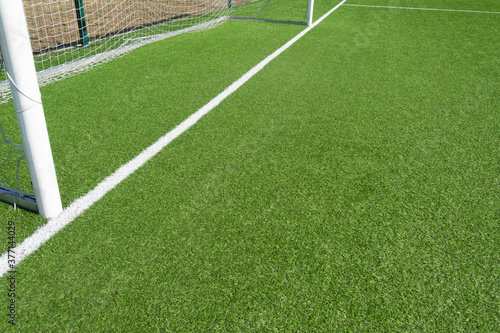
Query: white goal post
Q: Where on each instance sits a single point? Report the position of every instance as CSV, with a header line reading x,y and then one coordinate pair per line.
x,y
310,11
20,69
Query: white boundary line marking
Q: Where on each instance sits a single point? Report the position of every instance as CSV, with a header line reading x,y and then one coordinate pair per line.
x,y
75,209
435,9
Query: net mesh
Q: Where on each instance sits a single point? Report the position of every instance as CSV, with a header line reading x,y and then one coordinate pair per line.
x,y
71,36
12,158
12,155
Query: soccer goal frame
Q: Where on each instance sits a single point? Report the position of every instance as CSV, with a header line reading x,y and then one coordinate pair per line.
x,y
16,47
20,70
88,34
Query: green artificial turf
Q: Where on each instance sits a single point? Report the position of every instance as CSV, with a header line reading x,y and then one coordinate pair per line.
x,y
101,119
479,5
281,10
352,185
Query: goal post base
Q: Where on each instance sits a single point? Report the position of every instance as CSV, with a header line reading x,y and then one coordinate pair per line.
x,y
18,199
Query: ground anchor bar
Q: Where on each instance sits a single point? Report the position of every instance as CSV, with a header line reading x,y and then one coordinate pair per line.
x,y
18,198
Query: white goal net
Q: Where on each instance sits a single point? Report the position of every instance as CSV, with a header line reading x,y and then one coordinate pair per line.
x,y
71,36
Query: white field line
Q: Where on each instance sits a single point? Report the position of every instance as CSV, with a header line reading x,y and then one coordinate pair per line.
x,y
414,8
75,209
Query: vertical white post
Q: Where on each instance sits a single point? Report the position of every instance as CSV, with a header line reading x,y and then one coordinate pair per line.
x,y
20,67
310,9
